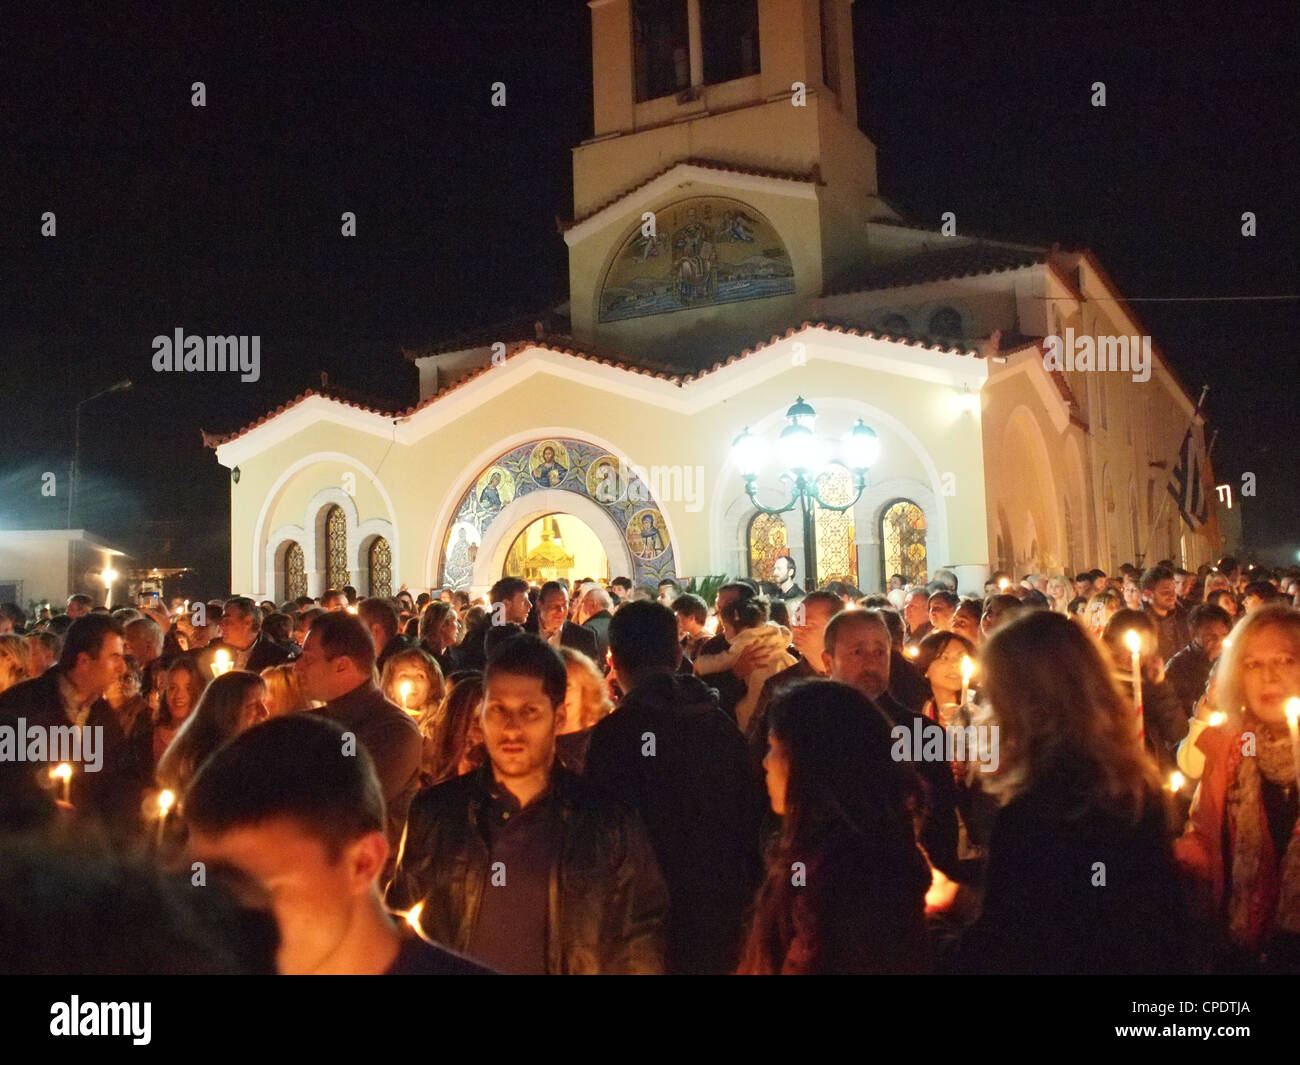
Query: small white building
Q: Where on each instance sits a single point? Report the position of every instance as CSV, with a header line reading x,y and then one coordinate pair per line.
x,y
48,565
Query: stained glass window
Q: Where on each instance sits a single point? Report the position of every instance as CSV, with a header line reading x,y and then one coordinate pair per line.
x,y
902,538
768,540
336,547
380,562
295,572
837,555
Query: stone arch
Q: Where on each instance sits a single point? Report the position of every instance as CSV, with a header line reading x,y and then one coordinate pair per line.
x,y
1035,503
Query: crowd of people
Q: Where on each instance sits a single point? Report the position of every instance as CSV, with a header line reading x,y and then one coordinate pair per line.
x,y
1095,774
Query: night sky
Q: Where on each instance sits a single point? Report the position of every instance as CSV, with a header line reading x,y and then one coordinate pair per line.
x,y
225,219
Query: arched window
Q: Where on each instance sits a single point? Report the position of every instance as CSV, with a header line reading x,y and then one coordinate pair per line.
x,y
379,563
295,571
768,540
945,323
902,539
837,555
336,547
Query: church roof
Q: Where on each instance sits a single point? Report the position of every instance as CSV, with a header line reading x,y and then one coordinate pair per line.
x,y
627,364
937,264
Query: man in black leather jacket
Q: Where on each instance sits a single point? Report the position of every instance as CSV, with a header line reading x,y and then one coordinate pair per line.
x,y
521,865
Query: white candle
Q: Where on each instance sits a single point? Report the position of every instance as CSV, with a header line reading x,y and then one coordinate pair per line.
x,y
1293,725
166,798
967,669
404,690
1134,643
63,774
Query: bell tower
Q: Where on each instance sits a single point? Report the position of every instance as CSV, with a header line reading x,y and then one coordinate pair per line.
x,y
726,168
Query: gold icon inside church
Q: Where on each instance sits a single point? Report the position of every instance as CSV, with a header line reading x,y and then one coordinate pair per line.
x,y
557,545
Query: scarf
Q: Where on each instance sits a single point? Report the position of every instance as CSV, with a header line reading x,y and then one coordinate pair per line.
x,y
1264,894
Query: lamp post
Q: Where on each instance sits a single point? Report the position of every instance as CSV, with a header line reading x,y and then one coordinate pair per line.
x,y
805,456
121,386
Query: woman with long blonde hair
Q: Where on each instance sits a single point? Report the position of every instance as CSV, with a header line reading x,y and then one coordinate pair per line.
x,y
284,694
1081,876
1241,848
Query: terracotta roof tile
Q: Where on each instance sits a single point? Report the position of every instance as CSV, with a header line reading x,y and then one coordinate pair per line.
x,y
933,265
213,440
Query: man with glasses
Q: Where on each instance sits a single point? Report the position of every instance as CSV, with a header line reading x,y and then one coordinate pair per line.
x,y
520,864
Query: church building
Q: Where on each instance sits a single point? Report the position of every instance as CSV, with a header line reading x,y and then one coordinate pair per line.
x,y
736,277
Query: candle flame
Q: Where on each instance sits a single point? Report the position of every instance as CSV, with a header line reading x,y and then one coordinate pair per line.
x,y
1004,584
1217,718
1133,641
412,916
912,652
62,771
1176,782
352,610
404,689
967,668
1293,710
166,798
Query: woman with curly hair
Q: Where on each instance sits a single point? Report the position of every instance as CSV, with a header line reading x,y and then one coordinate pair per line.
x,y
1241,848
846,882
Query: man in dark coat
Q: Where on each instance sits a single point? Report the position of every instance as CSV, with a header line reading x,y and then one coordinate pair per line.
x,y
670,751
1160,604
549,622
337,667
243,640
521,864
857,647
108,784
597,613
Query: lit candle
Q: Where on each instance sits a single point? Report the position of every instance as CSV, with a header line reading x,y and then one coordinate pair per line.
x,y
352,609
412,917
912,651
967,668
404,690
221,663
1004,584
1134,643
63,774
1217,718
166,798
1293,725
1176,783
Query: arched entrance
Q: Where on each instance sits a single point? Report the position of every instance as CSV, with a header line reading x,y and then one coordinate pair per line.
x,y
557,546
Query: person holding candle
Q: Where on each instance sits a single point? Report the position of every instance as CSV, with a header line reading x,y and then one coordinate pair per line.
x,y
412,680
1159,714
183,685
242,640
1081,878
1241,848
231,704
940,663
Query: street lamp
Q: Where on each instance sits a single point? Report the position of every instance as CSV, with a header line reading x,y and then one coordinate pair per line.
x,y
805,457
121,386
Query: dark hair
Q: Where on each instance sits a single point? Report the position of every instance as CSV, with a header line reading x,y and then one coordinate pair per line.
x,y
507,588
1213,598
1154,576
1077,605
746,613
1261,590
743,589
198,681
643,639
340,634
309,615
246,608
496,635
934,645
1205,613
376,611
294,766
778,610
86,636
848,823
893,622
210,724
794,567
550,588
527,655
821,595
691,605
670,582
621,582
278,626
944,596
844,619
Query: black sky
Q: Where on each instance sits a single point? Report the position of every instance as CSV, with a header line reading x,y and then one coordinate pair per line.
x,y
225,219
